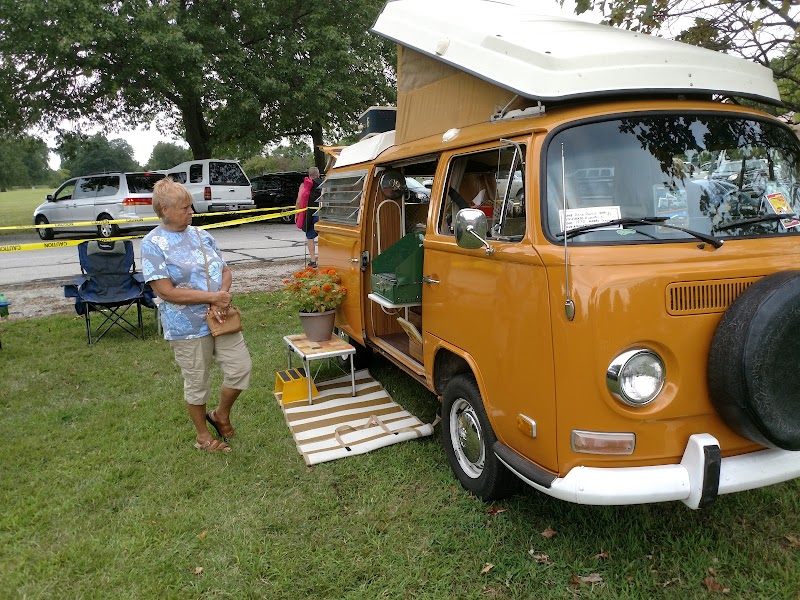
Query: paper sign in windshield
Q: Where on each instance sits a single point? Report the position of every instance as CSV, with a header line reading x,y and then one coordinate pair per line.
x,y
580,217
780,206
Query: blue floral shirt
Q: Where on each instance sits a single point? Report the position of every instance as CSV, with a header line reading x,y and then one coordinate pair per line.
x,y
177,256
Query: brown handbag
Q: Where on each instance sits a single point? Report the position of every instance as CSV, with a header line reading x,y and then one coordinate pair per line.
x,y
233,318
231,324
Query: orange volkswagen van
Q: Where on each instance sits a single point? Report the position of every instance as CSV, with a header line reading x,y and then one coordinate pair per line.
x,y
603,289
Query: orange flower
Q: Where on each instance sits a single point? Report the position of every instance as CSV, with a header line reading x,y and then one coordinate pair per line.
x,y
316,290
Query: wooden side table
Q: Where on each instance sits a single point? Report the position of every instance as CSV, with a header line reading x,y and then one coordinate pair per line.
x,y
308,351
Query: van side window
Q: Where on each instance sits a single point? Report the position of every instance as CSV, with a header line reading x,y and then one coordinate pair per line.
x,y
178,176
340,201
492,182
196,173
86,188
107,186
67,191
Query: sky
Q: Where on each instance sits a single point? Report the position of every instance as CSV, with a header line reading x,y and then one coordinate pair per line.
x,y
142,140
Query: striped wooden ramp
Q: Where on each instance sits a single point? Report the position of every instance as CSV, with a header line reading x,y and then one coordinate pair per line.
x,y
339,424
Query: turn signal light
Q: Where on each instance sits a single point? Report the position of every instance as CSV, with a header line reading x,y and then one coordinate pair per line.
x,y
603,442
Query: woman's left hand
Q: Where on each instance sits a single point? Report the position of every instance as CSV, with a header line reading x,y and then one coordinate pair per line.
x,y
220,311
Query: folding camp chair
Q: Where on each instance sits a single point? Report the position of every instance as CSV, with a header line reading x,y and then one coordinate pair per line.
x,y
109,286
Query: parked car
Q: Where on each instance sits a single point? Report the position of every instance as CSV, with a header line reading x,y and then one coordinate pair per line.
x,y
107,196
419,192
277,189
731,170
216,185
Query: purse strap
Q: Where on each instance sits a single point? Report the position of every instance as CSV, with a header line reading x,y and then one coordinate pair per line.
x,y
205,260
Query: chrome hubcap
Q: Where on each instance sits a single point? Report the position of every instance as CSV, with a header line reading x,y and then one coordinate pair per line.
x,y
467,438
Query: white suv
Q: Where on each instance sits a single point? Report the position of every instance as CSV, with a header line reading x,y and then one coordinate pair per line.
x,y
108,196
215,185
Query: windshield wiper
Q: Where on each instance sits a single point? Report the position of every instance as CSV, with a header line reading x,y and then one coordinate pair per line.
x,y
629,221
761,219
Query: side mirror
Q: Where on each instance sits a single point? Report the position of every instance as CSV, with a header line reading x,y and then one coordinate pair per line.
x,y
471,229
49,197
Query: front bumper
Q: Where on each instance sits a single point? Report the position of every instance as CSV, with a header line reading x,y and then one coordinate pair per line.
x,y
696,481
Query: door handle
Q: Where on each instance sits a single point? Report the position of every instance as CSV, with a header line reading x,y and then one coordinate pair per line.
x,y
354,260
429,280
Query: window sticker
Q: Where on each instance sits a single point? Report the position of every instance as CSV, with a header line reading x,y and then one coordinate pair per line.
x,y
578,217
780,206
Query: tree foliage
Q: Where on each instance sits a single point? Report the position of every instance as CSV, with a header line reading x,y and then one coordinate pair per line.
x,y
297,156
166,155
23,162
228,73
85,155
764,31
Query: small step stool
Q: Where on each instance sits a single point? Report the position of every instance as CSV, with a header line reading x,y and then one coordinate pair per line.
x,y
293,385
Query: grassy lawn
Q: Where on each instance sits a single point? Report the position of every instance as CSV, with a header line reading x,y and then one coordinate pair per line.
x,y
17,206
103,496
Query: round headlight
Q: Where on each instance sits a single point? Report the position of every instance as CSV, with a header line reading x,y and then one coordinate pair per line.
x,y
636,377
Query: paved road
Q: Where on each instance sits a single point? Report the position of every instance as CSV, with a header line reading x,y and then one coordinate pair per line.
x,y
249,243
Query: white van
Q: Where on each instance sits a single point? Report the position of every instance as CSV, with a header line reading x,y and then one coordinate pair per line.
x,y
216,185
108,196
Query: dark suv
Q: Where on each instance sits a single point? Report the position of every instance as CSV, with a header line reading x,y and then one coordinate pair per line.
x,y
277,189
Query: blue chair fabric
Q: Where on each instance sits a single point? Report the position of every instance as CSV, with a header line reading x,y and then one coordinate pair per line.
x,y
110,287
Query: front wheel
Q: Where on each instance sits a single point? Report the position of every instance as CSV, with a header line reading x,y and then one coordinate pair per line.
x,y
106,230
468,440
44,232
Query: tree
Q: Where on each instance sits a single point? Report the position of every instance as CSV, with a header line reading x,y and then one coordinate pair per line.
x,y
23,161
166,155
764,31
297,156
83,155
228,73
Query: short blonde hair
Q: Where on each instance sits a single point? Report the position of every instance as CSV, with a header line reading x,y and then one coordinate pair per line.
x,y
167,193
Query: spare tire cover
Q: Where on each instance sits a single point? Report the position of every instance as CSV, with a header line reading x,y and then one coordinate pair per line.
x,y
753,360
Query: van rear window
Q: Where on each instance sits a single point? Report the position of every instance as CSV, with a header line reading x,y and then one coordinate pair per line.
x,y
225,173
142,183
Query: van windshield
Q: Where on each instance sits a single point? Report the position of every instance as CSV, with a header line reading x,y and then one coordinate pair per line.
x,y
721,175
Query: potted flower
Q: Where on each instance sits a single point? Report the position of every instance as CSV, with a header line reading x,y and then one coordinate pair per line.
x,y
317,293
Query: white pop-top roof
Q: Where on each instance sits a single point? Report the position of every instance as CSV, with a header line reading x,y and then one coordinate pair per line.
x,y
365,150
547,57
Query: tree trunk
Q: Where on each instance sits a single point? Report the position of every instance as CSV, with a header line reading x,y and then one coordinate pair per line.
x,y
320,158
197,134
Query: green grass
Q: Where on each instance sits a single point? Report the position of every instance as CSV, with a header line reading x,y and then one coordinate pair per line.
x,y
17,206
103,496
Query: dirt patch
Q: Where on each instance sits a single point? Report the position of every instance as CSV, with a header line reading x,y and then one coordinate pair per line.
x,y
41,299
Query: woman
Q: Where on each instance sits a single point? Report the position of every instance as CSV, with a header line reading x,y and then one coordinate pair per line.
x,y
174,265
308,196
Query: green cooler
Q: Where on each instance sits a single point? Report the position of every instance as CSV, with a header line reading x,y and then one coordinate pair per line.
x,y
397,272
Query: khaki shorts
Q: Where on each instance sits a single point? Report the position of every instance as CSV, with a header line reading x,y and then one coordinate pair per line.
x,y
195,356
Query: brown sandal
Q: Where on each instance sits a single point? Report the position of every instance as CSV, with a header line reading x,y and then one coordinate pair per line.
x,y
226,432
213,446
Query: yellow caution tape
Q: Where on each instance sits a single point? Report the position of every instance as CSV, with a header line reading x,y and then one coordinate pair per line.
x,y
68,243
143,219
